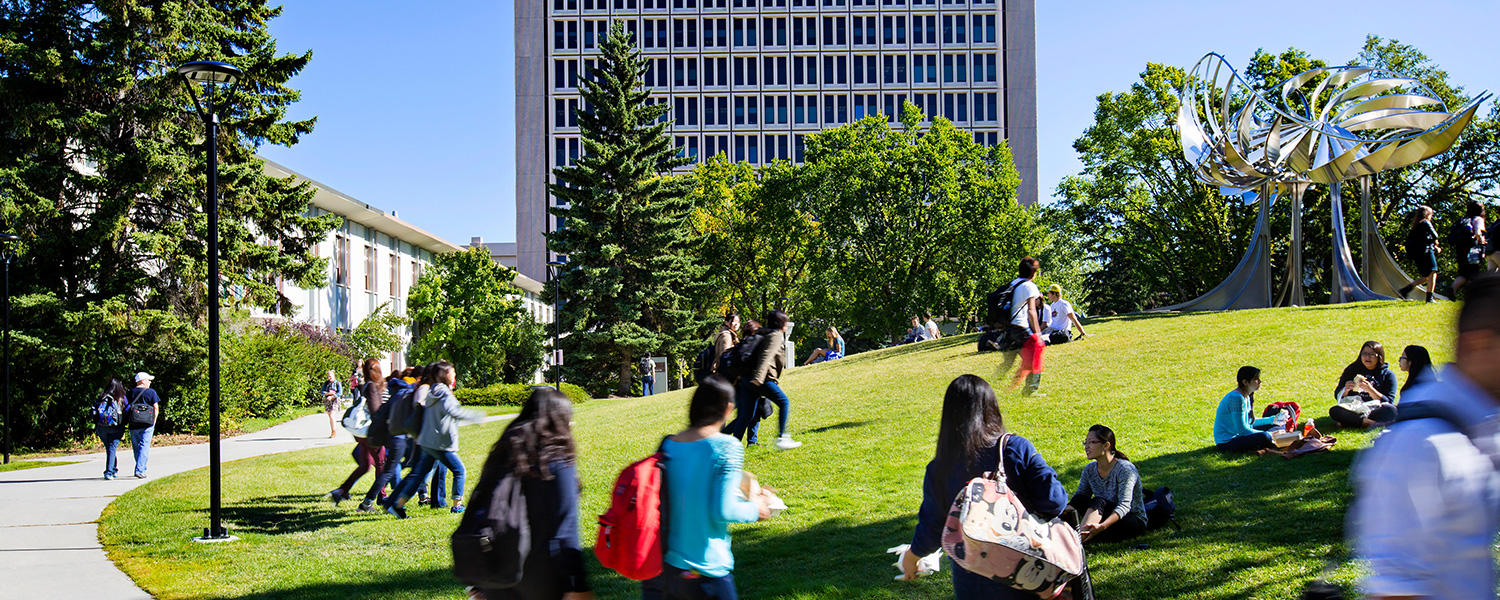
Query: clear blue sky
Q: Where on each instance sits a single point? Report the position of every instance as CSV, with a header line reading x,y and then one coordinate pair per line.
x,y
416,111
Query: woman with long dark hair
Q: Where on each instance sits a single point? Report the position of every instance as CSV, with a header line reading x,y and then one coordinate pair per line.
x,y
762,381
366,458
1422,248
1109,497
537,448
968,446
113,398
438,439
1417,362
1366,393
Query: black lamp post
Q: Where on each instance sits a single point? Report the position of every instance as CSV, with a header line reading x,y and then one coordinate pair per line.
x,y
211,74
554,268
5,241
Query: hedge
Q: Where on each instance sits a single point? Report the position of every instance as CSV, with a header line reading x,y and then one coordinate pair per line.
x,y
512,394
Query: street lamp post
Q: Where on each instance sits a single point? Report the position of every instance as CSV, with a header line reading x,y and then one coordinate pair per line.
x,y
212,73
555,269
6,239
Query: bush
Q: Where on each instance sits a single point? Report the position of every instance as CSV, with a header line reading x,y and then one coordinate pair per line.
x,y
272,367
513,394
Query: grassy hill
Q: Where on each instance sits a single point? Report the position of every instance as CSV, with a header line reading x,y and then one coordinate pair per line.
x,y
1252,527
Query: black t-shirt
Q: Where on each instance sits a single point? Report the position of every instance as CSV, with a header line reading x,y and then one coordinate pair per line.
x,y
140,395
1421,237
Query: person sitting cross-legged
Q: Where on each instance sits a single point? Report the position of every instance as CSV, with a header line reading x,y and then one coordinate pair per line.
x,y
1366,392
1235,427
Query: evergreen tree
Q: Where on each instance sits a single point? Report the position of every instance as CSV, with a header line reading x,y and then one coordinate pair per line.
x,y
630,272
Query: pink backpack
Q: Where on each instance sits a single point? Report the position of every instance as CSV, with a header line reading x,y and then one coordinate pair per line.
x,y
989,533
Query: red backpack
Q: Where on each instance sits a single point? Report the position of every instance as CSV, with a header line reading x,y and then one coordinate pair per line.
x,y
631,531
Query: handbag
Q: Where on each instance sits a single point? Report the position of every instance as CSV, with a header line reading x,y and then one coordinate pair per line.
x,y
990,533
357,418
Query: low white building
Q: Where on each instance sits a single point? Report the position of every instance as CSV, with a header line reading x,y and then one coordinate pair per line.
x,y
374,257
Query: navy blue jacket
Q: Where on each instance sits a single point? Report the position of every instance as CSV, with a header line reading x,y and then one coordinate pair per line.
x,y
1027,475
555,564
1381,377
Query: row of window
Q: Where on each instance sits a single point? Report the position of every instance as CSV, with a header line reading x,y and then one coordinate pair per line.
x,y
807,110
633,5
341,267
774,32
780,71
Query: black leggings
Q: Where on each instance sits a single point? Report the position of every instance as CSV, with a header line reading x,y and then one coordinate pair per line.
x,y
1249,442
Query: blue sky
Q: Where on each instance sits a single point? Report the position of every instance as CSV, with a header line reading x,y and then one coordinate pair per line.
x,y
416,110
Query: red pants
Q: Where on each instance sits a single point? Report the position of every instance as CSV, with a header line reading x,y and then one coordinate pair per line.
x,y
1031,358
365,460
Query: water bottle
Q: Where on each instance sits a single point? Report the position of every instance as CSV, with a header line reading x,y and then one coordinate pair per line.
x,y
1307,429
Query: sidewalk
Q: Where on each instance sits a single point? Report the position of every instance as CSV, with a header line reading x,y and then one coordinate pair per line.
x,y
49,517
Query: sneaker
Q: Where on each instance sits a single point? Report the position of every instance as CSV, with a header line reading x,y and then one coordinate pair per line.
x,y
140,475
109,477
337,496
457,509
396,511
366,507
786,442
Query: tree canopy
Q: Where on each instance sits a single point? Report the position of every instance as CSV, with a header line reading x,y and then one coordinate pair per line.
x,y
464,309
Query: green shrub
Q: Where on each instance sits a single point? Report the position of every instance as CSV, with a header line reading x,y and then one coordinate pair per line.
x,y
512,394
271,368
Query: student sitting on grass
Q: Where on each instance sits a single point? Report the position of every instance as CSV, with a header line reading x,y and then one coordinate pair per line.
x,y
1417,362
1235,427
835,349
1366,392
1109,495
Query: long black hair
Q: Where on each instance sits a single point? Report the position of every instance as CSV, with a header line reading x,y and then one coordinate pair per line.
x,y
971,420
114,389
1107,435
710,401
540,435
1372,346
1418,362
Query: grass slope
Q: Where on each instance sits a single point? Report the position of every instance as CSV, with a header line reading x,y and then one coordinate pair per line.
x,y
1252,528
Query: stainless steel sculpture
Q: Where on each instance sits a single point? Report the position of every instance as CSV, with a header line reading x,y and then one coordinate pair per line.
x,y
1328,125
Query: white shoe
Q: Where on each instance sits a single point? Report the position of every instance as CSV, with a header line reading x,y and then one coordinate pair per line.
x,y
786,442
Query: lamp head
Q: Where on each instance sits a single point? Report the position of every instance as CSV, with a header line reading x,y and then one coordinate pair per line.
x,y
9,237
211,71
556,263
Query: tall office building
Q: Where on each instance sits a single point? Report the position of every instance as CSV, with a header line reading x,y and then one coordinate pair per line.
x,y
752,78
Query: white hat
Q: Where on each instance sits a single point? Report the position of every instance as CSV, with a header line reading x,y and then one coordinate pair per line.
x,y
143,376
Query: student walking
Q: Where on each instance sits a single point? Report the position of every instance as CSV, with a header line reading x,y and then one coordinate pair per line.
x,y
109,422
333,393
648,375
366,457
1426,504
1422,248
438,440
768,361
968,445
396,390
703,475
1024,330
143,408
1470,245
537,449
1109,500
726,338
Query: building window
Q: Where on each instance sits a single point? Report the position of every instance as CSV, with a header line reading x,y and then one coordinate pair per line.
x,y
835,109
804,31
953,29
684,73
395,274
685,32
836,70
924,29
744,71
657,72
866,105
655,33
987,107
715,33
956,107
805,110
894,30
805,70
564,73
774,70
564,5
716,144
747,148
893,105
984,29
774,31
866,69
776,110
715,112
716,71
955,68
744,32
341,260
594,31
685,110
687,145
985,67
928,103
835,31
746,110
864,31
798,147
924,68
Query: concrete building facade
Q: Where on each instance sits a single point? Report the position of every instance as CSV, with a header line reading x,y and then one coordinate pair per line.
x,y
752,78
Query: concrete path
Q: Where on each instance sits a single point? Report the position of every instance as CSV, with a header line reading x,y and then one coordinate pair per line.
x,y
49,516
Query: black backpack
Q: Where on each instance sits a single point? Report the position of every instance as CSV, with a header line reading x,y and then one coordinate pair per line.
x,y
401,411
1461,237
380,428
736,361
1161,509
997,305
704,363
494,537
139,414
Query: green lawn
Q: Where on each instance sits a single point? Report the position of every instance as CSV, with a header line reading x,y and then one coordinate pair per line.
x,y
1252,527
18,465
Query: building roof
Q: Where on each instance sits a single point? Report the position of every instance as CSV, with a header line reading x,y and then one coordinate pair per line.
x,y
341,204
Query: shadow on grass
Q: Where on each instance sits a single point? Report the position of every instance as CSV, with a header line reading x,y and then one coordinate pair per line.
x,y
291,513
413,583
844,425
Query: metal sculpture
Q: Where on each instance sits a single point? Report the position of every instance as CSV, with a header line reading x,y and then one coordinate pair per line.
x,y
1331,124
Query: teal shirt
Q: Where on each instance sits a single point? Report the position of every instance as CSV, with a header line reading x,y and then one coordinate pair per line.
x,y
703,478
1234,418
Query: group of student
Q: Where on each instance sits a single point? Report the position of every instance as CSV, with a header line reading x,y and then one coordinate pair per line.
x,y
760,358
1472,240
1364,397
414,424
923,328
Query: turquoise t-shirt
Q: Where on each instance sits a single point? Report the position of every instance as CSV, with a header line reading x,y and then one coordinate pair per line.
x,y
1234,419
703,499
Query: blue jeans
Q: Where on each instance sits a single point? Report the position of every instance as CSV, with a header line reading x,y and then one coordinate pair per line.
x,y
111,439
390,474
431,458
648,386
676,584
140,446
746,401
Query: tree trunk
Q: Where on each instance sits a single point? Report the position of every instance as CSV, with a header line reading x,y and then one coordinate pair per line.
x,y
626,378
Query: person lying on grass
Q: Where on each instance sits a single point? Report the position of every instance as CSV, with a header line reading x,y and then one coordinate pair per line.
x,y
1109,495
1235,427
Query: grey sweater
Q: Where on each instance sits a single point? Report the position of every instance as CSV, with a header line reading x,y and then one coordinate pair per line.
x,y
441,419
1123,487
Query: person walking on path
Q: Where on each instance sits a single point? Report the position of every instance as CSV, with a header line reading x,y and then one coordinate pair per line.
x,y
366,457
767,363
438,440
1422,249
1426,504
648,376
333,393
1471,246
144,407
537,449
703,474
1026,304
968,445
109,422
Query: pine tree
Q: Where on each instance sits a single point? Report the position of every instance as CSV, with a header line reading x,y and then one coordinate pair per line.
x,y
630,270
